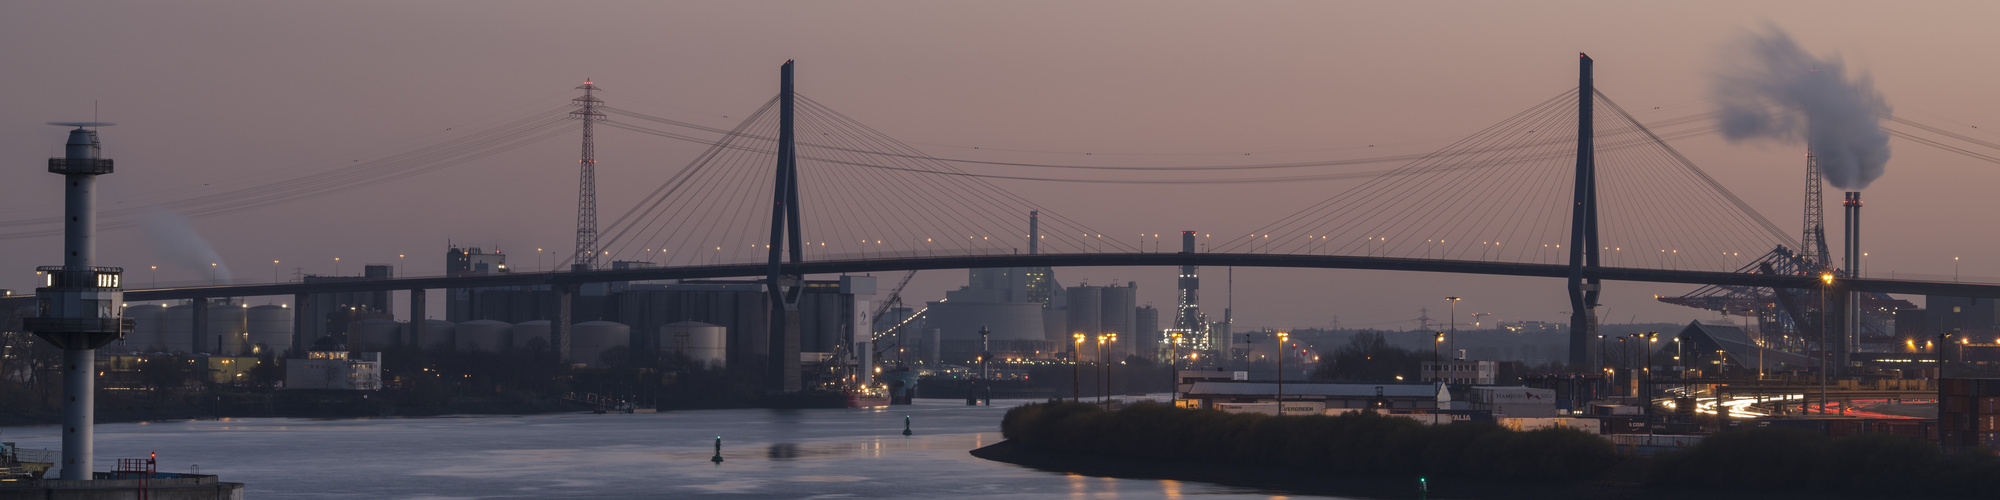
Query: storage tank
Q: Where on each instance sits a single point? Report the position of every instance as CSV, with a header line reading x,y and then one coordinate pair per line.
x,y
703,343
1119,308
1086,311
593,338
177,329
228,330
527,331
482,335
437,333
147,321
374,334
271,327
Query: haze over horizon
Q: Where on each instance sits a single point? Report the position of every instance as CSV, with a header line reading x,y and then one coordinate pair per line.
x,y
211,95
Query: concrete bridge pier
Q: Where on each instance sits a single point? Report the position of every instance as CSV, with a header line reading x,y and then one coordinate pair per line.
x,y
417,317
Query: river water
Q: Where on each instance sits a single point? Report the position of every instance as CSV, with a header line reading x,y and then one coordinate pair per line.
x,y
767,454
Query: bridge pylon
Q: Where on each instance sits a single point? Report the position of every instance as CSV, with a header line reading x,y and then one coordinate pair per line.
x,y
784,290
1583,243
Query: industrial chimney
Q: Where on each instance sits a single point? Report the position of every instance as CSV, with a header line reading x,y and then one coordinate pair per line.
x,y
1851,328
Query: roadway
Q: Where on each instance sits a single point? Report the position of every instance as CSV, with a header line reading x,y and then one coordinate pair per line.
x,y
906,263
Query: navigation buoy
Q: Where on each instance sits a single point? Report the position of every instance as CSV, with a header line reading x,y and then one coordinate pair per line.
x,y
718,451
1423,488
906,425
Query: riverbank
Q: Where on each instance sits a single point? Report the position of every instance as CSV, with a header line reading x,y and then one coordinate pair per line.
x,y
1620,482
1623,481
1364,454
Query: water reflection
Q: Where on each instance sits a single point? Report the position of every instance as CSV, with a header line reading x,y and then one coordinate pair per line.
x,y
804,453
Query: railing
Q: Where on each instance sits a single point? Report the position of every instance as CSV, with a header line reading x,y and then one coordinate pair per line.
x,y
96,166
37,456
1662,440
77,325
592,399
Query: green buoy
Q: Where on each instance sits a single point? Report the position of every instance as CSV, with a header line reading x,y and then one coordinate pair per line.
x,y
906,425
718,451
1423,488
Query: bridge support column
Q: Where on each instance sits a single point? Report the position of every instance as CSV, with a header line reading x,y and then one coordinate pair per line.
x,y
300,341
417,318
559,334
200,341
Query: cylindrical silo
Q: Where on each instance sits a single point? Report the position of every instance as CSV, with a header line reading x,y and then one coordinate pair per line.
x,y
527,332
1086,310
482,335
228,330
703,343
437,333
1120,307
148,320
271,328
177,329
593,338
374,335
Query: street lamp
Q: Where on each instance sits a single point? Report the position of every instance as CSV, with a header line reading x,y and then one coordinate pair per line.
x,y
274,271
1434,358
1174,366
1453,345
1076,370
1109,337
1282,350
1099,378
1825,321
399,266
1651,338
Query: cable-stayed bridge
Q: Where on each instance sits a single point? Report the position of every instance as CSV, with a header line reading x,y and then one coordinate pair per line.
x,y
1573,187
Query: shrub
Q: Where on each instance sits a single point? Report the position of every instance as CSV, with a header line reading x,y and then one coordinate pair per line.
x,y
1773,459
1351,443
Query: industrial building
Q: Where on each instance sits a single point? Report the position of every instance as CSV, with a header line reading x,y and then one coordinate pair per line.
x,y
1388,396
640,316
1459,372
1729,349
323,314
996,301
335,370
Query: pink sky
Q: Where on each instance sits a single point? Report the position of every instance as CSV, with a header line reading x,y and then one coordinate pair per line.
x,y
207,93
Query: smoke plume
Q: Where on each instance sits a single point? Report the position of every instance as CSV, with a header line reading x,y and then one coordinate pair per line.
x,y
176,243
1770,88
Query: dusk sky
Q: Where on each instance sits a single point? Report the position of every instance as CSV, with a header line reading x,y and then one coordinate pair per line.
x,y
215,95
